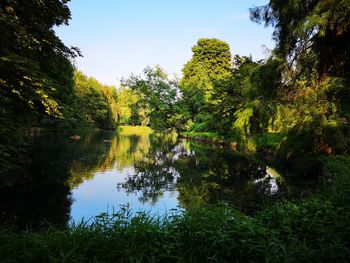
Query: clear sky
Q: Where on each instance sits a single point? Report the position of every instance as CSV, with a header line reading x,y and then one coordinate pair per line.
x,y
120,37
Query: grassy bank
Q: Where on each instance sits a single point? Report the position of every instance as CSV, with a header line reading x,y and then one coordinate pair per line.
x,y
261,142
316,229
208,137
134,130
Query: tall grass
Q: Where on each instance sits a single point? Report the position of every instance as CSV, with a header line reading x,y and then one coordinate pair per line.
x,y
308,232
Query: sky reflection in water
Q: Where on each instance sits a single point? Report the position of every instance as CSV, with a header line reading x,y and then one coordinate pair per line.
x,y
157,174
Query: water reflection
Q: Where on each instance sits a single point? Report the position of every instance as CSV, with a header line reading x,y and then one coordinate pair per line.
x,y
80,179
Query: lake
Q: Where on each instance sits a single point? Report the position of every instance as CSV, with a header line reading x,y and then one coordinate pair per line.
x,y
68,181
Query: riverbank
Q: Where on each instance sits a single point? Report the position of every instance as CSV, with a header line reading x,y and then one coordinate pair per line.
x,y
209,138
264,143
315,229
134,130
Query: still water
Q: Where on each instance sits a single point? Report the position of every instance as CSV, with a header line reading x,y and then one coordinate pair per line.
x,y
68,181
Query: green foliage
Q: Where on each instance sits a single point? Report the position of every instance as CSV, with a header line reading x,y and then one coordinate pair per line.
x,y
229,96
131,111
318,122
313,42
204,135
95,104
159,95
335,174
134,130
312,231
269,141
209,65
211,62
312,26
35,69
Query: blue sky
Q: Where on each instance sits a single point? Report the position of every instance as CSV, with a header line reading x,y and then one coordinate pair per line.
x,y
120,37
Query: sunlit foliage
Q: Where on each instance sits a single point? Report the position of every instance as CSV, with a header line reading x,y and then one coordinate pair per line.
x,y
158,94
95,103
209,66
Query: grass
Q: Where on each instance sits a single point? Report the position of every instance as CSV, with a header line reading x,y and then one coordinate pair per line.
x,y
315,229
210,136
269,141
134,130
264,141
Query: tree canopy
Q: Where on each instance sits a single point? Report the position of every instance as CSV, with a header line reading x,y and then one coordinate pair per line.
x,y
157,95
319,27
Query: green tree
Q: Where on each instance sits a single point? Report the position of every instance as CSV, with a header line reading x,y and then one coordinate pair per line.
x,y
260,84
158,95
95,103
318,27
313,40
231,95
209,65
35,68
131,111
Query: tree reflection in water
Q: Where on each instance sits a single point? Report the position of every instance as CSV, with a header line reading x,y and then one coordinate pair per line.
x,y
201,174
39,194
154,172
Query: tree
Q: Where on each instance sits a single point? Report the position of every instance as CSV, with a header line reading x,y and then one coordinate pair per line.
x,y
131,111
209,65
313,40
34,63
229,96
158,94
95,103
310,26
35,68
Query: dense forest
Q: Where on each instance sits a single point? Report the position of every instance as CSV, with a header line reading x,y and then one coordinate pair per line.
x,y
293,107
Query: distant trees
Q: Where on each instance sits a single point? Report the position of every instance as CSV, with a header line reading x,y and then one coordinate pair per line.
x,y
95,104
158,96
129,111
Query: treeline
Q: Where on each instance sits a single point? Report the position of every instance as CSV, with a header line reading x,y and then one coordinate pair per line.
x,y
90,105
296,100
39,84
94,105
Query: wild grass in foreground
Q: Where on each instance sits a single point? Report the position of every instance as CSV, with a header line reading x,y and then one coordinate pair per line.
x,y
313,231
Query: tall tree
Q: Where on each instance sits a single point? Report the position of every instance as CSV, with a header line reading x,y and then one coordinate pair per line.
x,y
35,69
158,94
210,64
313,39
